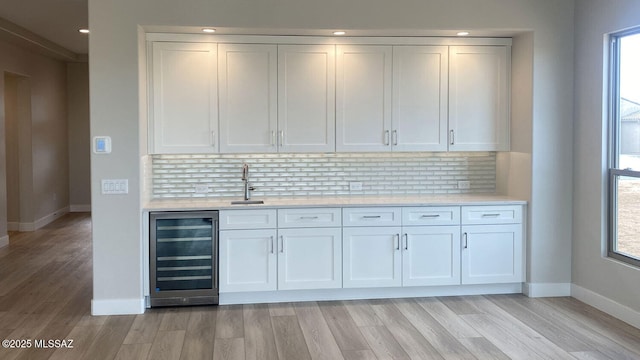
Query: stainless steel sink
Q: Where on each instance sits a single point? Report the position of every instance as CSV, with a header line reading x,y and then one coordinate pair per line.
x,y
247,202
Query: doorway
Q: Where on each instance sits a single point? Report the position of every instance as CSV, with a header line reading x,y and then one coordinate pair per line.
x,y
17,111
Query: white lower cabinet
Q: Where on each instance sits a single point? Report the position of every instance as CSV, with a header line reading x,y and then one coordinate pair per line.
x,y
431,255
492,254
372,256
310,258
248,260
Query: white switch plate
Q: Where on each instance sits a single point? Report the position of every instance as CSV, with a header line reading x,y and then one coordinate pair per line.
x,y
464,185
355,186
201,189
115,186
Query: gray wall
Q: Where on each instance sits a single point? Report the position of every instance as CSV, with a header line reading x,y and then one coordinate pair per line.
x,y
591,269
49,154
116,103
79,140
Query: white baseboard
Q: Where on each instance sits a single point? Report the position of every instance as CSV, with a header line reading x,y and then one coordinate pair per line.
x,y
534,290
613,308
117,307
365,293
4,240
43,221
80,208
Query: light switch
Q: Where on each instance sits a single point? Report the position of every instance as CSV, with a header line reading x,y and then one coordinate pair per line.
x,y
115,186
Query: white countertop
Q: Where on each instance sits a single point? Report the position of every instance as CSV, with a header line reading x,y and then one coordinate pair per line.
x,y
319,201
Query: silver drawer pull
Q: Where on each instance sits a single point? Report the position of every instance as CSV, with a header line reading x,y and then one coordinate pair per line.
x,y
430,216
371,217
490,215
308,218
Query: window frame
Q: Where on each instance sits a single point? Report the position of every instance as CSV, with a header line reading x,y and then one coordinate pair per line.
x,y
613,146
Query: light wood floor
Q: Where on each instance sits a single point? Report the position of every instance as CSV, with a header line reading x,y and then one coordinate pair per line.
x,y
45,293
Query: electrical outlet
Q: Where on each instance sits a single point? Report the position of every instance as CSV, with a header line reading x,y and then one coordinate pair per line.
x,y
201,189
355,186
464,185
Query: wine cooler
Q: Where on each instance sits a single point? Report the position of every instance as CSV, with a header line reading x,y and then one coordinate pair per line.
x,y
183,264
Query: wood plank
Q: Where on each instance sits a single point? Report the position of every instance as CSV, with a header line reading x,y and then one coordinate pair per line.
x,y
200,334
447,318
411,340
483,349
289,338
590,355
320,340
459,305
259,339
144,328
111,336
167,345
133,351
228,349
230,323
82,337
343,328
175,318
362,313
359,355
382,343
281,309
442,341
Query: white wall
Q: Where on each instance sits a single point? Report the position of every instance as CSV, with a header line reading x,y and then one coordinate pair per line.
x,y
115,97
49,158
593,274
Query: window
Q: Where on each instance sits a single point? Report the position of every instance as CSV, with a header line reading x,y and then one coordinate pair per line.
x,y
624,147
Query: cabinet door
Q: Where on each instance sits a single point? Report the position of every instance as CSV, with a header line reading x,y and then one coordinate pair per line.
x,y
479,78
248,97
248,260
306,98
184,102
371,257
492,254
420,76
309,258
431,255
363,98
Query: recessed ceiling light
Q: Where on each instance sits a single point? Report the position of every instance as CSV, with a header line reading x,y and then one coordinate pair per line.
x,y
339,33
463,33
84,31
208,30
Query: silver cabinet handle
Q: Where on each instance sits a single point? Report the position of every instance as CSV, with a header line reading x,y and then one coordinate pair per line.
x,y
371,217
273,138
395,137
386,137
272,244
490,215
213,138
465,241
281,244
281,137
451,137
308,218
430,216
397,241
406,241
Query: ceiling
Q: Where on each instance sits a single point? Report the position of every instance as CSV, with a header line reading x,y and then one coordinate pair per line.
x,y
55,20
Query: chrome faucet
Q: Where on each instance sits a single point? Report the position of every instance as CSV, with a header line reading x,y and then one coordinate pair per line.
x,y
245,179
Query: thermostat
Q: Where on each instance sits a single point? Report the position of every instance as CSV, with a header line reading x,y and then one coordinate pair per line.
x,y
102,145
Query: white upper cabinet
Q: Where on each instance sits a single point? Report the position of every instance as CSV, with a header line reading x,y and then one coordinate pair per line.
x,y
184,99
363,97
248,97
306,98
420,76
479,78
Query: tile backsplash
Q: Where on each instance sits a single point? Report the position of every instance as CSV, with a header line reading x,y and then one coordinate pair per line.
x,y
282,175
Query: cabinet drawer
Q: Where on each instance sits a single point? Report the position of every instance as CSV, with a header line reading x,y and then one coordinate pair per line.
x,y
379,216
317,217
247,219
437,215
477,215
